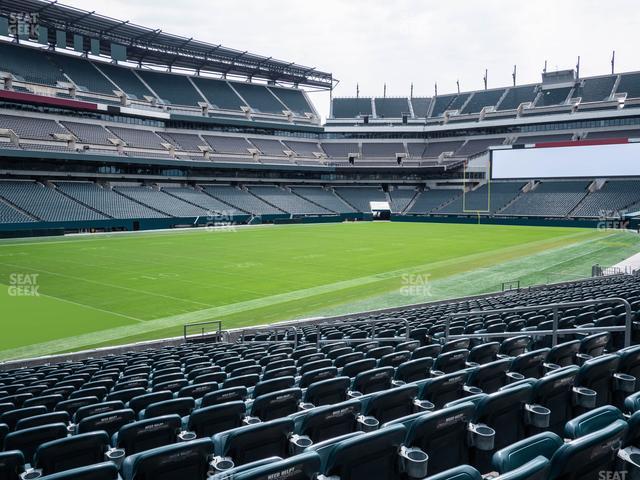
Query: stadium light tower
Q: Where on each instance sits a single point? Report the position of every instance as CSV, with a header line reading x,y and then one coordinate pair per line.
x,y
513,75
486,77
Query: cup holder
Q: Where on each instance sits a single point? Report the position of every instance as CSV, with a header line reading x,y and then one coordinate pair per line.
x,y
584,397
302,406
436,373
71,429
221,464
537,416
367,423
354,394
298,443
550,367
481,436
187,436
414,462
582,357
630,462
31,474
514,377
423,406
115,455
472,390
250,420
398,383
624,383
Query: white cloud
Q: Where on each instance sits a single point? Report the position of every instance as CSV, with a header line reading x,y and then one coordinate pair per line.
x,y
372,42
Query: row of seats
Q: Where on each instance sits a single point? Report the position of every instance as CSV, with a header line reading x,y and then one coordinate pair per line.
x,y
45,67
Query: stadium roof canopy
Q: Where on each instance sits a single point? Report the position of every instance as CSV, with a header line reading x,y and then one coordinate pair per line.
x,y
155,47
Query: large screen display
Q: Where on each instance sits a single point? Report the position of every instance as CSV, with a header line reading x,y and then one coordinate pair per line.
x,y
580,161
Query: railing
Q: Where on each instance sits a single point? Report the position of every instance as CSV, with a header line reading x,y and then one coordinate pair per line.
x,y
373,324
513,285
555,307
273,330
202,331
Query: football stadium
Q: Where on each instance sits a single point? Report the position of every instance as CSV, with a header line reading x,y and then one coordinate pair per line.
x,y
206,273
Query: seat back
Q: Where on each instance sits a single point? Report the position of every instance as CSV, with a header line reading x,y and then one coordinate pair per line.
x,y
554,391
327,392
391,404
463,472
586,457
597,374
514,456
147,434
173,462
592,421
98,408
452,361
71,452
298,467
255,442
277,404
414,370
178,406
443,389
317,375
530,364
223,396
323,423
484,353
491,376
373,455
207,421
515,346
270,386
45,419
11,465
109,422
442,435
373,380
29,439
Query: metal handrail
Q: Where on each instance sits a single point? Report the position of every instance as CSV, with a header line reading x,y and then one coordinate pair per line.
x,y
555,331
373,324
271,330
202,324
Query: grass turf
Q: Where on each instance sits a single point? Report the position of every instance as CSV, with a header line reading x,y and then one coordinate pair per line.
x,y
110,289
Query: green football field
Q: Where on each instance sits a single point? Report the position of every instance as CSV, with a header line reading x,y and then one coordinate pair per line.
x,y
71,293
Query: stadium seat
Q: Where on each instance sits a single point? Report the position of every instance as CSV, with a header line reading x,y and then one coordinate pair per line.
x,y
178,406
11,464
451,361
443,389
147,434
96,409
323,423
207,421
110,422
300,467
223,396
442,434
276,405
254,442
327,392
29,439
372,455
391,404
414,370
374,380
71,452
98,471
44,419
173,462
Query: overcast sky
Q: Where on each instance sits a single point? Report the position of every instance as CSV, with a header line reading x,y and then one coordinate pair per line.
x,y
373,42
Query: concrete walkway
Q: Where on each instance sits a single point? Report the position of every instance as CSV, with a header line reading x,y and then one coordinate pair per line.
x,y
629,265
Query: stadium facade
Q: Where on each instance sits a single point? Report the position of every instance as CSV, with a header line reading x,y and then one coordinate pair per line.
x,y
178,132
